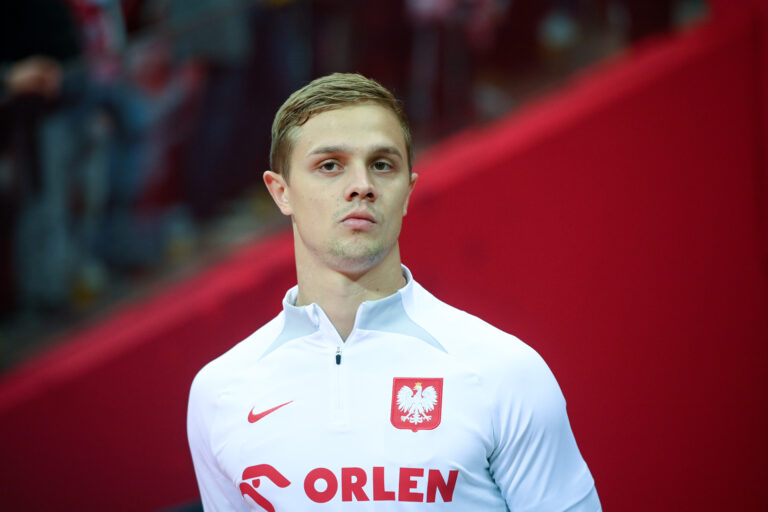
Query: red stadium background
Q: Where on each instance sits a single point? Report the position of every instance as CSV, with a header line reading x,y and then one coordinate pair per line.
x,y
619,227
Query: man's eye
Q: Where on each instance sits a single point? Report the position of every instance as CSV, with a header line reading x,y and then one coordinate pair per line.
x,y
382,166
329,166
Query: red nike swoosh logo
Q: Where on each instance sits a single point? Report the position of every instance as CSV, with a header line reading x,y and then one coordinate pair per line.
x,y
253,418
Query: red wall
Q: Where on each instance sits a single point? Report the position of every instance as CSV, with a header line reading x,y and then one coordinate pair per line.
x,y
619,228
100,423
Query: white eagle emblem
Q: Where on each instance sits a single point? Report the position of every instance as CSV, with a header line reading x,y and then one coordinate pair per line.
x,y
416,403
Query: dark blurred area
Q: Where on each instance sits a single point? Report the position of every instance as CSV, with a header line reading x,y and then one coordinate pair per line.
x,y
133,133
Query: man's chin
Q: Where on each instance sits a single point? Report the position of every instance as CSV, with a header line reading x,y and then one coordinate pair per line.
x,y
357,258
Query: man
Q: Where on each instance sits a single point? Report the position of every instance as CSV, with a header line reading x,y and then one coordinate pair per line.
x,y
366,392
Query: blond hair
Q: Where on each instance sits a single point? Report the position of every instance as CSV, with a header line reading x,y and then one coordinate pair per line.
x,y
329,92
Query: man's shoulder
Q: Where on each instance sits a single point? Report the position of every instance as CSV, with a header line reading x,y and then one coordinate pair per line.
x,y
237,359
502,361
468,336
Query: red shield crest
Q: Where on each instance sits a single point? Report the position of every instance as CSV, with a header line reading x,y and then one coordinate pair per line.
x,y
417,404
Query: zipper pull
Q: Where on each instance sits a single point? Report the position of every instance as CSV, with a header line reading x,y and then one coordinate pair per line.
x,y
338,355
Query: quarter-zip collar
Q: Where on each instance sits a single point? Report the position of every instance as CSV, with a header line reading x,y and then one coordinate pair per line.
x,y
386,315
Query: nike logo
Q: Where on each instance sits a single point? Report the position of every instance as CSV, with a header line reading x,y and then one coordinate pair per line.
x,y
253,417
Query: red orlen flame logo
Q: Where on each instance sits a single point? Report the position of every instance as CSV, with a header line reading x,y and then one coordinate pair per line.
x,y
253,473
416,403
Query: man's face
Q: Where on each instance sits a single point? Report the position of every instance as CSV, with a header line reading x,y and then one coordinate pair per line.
x,y
348,187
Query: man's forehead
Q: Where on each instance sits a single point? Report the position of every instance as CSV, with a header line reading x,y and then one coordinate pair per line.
x,y
351,129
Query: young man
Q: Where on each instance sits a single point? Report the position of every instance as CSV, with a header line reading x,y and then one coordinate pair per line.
x,y
366,392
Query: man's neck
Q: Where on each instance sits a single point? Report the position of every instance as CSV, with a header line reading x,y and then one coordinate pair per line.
x,y
340,294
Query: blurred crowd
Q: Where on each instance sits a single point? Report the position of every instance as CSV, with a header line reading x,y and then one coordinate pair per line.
x,y
128,127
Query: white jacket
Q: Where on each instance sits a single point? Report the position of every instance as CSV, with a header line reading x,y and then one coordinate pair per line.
x,y
424,407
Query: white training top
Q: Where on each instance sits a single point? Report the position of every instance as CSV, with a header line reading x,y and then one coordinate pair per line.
x,y
424,407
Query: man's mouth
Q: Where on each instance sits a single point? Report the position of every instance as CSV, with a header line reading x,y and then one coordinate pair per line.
x,y
359,219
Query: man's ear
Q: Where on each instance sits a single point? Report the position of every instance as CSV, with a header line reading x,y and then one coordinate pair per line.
x,y
278,189
410,191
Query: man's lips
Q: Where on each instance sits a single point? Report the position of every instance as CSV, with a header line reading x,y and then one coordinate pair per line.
x,y
358,220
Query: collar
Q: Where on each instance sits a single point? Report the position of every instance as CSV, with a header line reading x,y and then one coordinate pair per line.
x,y
386,315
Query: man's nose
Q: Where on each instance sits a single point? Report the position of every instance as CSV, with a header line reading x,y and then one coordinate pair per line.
x,y
361,185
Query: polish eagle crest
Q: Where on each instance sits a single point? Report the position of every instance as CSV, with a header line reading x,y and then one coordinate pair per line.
x,y
416,403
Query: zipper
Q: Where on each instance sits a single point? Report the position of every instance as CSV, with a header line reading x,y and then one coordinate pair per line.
x,y
339,385
340,412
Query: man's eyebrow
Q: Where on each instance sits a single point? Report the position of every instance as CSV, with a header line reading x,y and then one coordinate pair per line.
x,y
387,150
324,150
378,150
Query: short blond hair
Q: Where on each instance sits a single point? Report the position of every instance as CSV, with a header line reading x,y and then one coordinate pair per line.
x,y
329,92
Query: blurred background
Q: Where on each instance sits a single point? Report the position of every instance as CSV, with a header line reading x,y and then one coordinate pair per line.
x,y
134,132
594,170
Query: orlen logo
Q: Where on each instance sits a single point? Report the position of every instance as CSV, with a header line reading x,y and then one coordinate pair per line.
x,y
253,473
321,485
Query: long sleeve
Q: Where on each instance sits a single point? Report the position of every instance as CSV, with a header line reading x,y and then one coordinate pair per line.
x,y
536,462
217,492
